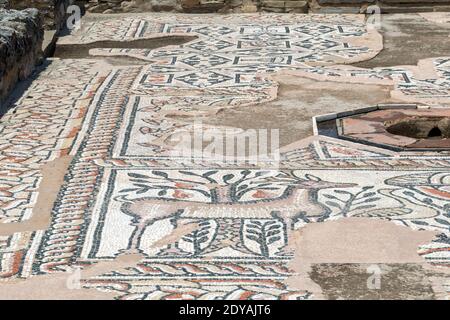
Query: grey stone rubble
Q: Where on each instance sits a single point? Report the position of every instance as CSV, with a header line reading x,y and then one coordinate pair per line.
x,y
386,6
279,6
112,6
4,4
53,11
21,36
197,6
284,6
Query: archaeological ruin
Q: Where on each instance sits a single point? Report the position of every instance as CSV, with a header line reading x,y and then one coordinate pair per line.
x,y
225,150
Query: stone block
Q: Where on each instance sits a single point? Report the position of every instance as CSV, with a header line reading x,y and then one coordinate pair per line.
x,y
21,36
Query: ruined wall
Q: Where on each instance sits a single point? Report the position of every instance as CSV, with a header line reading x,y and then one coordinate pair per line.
x,y
21,36
281,6
284,6
386,6
52,11
197,6
111,6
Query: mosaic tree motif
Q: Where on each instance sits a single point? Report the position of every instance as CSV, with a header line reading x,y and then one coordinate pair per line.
x,y
284,196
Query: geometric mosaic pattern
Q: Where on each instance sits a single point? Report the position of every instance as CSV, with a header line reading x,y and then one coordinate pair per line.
x,y
116,122
429,85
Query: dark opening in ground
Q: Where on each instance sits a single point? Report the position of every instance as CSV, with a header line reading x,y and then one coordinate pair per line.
x,y
435,133
421,127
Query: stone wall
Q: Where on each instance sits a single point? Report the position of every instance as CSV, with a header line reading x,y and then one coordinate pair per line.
x,y
53,11
112,6
197,6
282,6
21,36
386,6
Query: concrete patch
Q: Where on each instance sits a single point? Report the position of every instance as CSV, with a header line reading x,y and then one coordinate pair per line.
x,y
408,38
350,282
351,240
66,286
52,178
437,17
299,99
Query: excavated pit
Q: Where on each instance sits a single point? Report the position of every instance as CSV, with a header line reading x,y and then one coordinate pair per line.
x,y
421,127
394,127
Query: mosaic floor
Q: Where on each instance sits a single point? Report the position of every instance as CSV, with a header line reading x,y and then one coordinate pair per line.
x,y
204,229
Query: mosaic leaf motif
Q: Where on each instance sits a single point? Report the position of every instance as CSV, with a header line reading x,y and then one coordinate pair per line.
x,y
198,240
347,201
264,234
